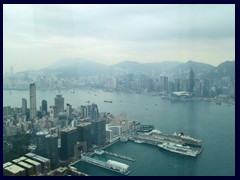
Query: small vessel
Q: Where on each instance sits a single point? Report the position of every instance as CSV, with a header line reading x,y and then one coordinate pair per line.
x,y
123,138
180,149
138,141
107,101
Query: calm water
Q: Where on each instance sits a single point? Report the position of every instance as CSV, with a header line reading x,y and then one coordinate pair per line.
x,y
212,123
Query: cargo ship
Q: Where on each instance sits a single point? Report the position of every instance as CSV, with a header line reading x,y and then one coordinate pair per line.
x,y
180,149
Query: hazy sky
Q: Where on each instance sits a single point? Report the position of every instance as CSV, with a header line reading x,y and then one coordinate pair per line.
x,y
35,36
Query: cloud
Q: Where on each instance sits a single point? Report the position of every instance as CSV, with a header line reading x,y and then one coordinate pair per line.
x,y
112,32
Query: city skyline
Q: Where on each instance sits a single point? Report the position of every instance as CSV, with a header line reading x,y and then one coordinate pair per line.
x,y
40,35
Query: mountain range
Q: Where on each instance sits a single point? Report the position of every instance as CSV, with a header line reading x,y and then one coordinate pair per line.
x,y
83,67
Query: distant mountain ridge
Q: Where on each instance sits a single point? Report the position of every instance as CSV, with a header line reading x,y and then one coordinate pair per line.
x,y
70,67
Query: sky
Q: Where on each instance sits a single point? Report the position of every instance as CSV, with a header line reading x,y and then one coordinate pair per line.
x,y
36,36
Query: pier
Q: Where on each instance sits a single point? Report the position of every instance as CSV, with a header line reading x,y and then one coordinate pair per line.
x,y
120,156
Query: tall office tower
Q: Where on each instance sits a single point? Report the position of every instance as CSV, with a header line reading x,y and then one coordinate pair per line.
x,y
59,103
84,134
68,141
24,106
191,81
42,143
69,109
53,112
94,112
44,106
33,110
98,132
52,150
165,83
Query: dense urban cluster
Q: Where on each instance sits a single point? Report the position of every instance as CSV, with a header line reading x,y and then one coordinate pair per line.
x,y
59,134
128,82
56,135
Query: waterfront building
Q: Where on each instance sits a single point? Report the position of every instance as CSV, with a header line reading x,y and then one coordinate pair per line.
x,y
68,141
84,134
32,91
191,81
94,112
98,132
59,103
113,132
24,106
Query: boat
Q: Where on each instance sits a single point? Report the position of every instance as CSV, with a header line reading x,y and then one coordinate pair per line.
x,y
107,101
123,138
180,149
138,141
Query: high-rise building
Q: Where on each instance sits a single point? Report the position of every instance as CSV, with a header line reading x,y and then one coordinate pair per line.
x,y
165,83
69,109
53,112
42,143
84,134
98,132
44,106
59,103
191,81
68,141
94,112
84,111
52,150
24,106
33,110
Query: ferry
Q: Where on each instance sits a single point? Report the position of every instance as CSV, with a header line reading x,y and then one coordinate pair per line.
x,y
180,149
138,141
107,101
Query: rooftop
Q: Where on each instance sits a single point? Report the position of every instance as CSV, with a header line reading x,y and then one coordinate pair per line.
x,y
25,164
14,169
32,162
7,164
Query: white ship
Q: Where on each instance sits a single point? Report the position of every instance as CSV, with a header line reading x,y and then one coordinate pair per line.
x,y
138,141
180,149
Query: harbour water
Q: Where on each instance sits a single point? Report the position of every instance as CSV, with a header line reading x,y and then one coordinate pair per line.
x,y
213,124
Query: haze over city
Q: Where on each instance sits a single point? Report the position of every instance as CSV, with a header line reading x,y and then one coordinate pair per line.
x,y
36,36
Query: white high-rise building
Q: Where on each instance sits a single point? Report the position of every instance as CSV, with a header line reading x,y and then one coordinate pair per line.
x,y
32,90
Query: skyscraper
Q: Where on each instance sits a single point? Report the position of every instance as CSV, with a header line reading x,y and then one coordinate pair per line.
x,y
94,112
24,106
52,149
59,103
69,109
98,132
68,141
42,143
44,106
84,134
32,91
191,81
165,83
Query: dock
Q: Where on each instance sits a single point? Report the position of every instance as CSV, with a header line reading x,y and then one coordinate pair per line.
x,y
120,156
